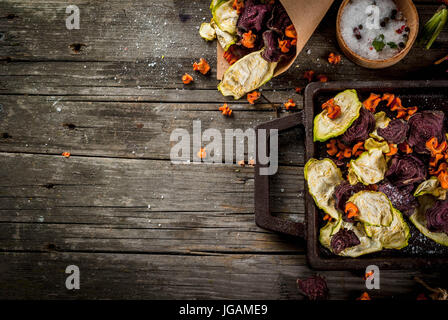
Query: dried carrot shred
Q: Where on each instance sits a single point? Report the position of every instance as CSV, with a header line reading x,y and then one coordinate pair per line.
x,y
308,75
293,42
372,102
396,104
284,45
389,97
393,150
333,110
201,153
364,296
327,217
347,153
291,32
331,147
433,145
358,147
241,163
442,167
230,57
202,66
186,78
411,110
66,154
351,210
253,96
405,148
435,160
238,6
248,40
225,110
334,59
298,90
368,274
443,179
322,78
289,104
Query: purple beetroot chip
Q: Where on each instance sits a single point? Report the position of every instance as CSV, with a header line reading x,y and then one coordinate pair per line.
x,y
437,217
360,129
401,198
343,239
253,17
272,52
344,191
395,132
423,126
406,170
279,19
315,288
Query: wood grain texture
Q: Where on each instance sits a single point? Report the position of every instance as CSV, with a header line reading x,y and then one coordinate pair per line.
x,y
113,104
210,276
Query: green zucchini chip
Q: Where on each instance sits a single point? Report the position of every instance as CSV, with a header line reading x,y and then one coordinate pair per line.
x,y
326,128
419,220
207,32
395,236
327,231
381,121
225,39
432,187
371,143
214,3
225,16
247,74
374,208
322,177
366,245
369,167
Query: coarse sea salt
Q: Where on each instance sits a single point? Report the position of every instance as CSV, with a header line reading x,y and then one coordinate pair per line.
x,y
375,30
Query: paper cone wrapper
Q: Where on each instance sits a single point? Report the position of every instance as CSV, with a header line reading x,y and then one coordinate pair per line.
x,y
305,15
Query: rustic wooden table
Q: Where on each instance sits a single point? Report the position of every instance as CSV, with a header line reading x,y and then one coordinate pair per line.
x,y
110,93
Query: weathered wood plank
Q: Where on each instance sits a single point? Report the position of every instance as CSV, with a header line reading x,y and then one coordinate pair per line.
x,y
132,276
112,26
101,204
123,129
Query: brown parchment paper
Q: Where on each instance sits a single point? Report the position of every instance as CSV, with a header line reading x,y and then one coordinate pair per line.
x,y
305,15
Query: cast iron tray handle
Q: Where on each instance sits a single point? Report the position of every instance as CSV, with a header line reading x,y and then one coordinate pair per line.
x,y
263,216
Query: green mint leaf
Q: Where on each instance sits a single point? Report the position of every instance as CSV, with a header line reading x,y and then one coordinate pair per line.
x,y
378,43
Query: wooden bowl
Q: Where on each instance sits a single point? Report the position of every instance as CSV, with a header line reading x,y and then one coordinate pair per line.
x,y
409,11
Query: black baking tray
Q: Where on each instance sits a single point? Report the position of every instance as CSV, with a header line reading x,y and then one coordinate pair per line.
x,y
421,251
